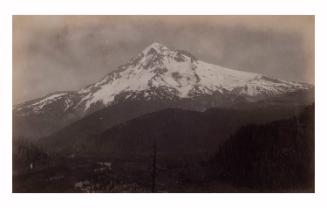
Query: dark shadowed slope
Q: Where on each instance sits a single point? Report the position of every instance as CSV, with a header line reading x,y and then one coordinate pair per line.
x,y
177,131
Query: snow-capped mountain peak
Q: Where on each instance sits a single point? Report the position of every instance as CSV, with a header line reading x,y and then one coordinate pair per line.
x,y
180,74
158,71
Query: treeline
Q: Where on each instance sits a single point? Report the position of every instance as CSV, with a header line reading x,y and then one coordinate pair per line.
x,y
26,155
272,157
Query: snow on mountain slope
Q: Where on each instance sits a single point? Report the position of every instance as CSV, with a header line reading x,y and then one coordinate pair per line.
x,y
182,75
177,73
46,101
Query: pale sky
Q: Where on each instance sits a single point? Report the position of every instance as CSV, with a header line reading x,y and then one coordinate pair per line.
x,y
56,53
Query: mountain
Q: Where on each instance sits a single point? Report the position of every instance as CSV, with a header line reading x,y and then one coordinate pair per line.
x,y
161,76
166,121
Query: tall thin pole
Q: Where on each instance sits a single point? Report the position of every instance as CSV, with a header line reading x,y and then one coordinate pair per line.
x,y
154,164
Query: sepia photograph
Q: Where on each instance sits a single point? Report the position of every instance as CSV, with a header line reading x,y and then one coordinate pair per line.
x,y
163,104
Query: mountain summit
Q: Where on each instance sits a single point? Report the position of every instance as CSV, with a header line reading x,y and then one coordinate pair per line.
x,y
160,73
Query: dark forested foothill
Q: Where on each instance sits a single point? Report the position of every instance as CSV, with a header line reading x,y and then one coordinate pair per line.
x,y
277,156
